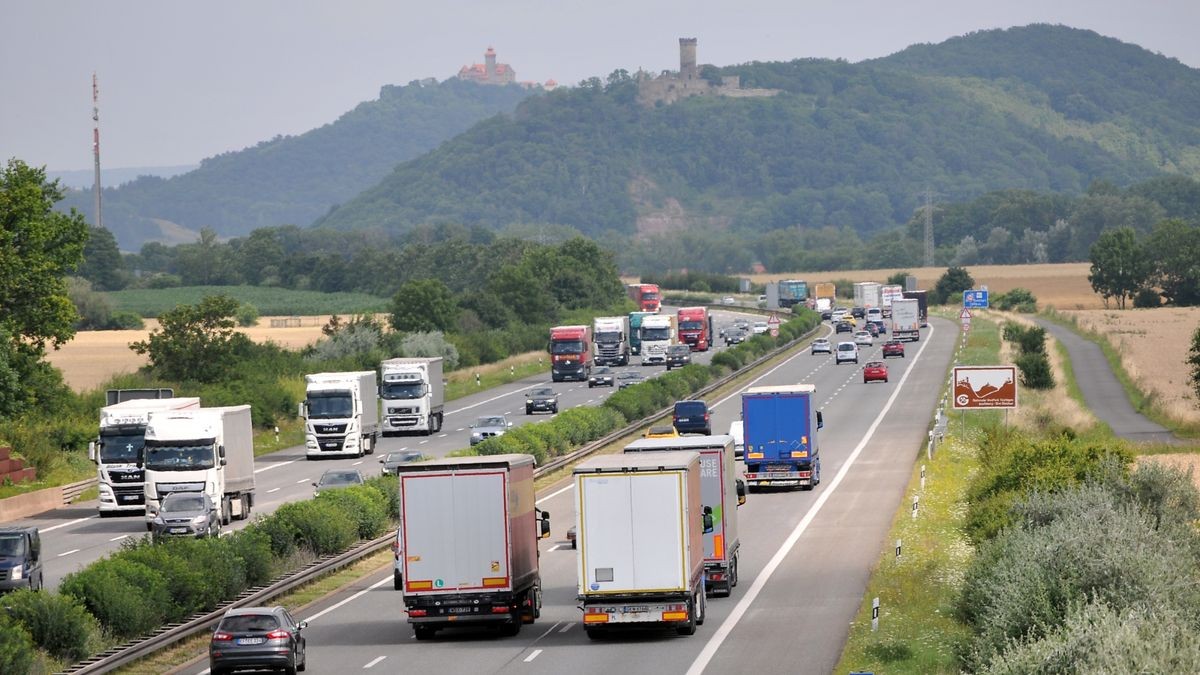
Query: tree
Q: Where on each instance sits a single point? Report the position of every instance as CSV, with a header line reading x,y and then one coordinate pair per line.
x,y
196,342
38,248
955,280
424,305
1119,266
1194,362
898,278
1174,246
102,264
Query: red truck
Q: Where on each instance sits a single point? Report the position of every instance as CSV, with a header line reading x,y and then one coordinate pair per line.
x,y
695,328
570,353
646,296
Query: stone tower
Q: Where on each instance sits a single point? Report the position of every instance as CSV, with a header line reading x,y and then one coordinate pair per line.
x,y
687,59
489,60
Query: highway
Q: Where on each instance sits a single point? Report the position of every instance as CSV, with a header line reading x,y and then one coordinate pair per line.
x,y
75,536
805,561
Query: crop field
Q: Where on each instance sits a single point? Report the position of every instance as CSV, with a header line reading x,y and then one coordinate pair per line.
x,y
269,301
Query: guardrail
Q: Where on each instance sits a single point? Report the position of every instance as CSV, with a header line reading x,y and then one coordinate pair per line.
x,y
71,491
170,634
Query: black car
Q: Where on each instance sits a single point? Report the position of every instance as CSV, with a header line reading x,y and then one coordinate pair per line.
x,y
827,315
691,417
20,558
629,378
678,356
735,336
391,461
858,312
844,327
601,377
542,399
257,638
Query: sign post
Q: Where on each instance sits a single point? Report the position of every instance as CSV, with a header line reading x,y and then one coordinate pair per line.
x,y
975,299
773,324
965,317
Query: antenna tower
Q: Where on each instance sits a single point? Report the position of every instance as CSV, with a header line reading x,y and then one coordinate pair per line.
x,y
98,220
928,228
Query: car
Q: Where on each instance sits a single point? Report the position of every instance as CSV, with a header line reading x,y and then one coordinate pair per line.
x,y
849,318
629,378
837,315
863,337
678,356
541,399
257,638
391,461
337,478
739,440
874,314
826,315
875,370
20,558
872,329
601,377
186,514
880,326
742,324
846,351
571,536
893,348
662,432
728,300
692,417
843,327
759,327
735,336
821,345
488,426
858,312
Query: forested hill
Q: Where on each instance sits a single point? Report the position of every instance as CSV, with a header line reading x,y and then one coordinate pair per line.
x,y
842,144
296,179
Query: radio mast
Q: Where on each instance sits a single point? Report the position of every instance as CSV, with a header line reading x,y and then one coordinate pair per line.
x,y
97,220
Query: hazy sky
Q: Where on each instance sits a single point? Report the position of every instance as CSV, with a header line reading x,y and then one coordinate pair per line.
x,y
180,81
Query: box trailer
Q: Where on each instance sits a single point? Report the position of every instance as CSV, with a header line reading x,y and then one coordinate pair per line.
x,y
780,426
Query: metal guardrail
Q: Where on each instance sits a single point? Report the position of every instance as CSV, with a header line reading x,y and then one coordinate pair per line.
x,y
71,491
172,633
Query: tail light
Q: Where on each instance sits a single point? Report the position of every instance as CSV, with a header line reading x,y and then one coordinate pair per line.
x,y
279,635
499,609
417,612
222,636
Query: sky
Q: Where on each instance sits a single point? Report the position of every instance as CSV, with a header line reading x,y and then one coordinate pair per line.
x,y
184,80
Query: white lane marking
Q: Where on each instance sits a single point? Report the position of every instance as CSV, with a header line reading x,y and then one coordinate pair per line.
x,y
119,538
494,398
67,524
460,429
558,492
590,400
533,656
385,580
423,442
274,466
714,643
372,663
566,628
548,631
74,550
442,435
507,412
303,480
358,462
751,382
273,490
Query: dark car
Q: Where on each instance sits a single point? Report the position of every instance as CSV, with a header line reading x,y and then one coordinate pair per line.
x,y
844,327
678,356
691,417
392,460
254,638
858,312
542,399
872,329
827,315
186,514
893,348
629,378
20,558
735,336
601,377
337,478
881,326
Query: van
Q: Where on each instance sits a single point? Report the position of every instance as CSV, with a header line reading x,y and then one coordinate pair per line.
x,y
739,440
691,417
20,558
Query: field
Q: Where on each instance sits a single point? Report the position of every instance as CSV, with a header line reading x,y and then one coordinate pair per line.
x,y
269,301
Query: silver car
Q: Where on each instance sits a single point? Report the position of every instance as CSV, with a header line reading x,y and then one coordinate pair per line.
x,y
186,514
821,345
489,426
392,460
337,478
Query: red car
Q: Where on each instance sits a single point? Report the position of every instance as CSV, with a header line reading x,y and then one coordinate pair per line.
x,y
874,370
893,348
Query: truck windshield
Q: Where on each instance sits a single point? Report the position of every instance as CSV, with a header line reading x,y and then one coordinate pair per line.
x,y
335,405
691,325
567,347
12,545
179,457
608,337
403,390
121,448
650,296
652,334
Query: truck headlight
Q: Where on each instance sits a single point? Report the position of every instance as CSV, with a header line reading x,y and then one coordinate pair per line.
x,y
16,572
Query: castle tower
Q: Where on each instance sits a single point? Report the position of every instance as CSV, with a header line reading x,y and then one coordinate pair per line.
x,y
489,60
687,58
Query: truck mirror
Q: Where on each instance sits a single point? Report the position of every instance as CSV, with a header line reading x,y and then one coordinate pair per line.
x,y
741,491
708,520
223,461
221,451
92,450
545,528
820,420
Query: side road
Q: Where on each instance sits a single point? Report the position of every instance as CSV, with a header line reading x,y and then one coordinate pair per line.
x,y
1102,391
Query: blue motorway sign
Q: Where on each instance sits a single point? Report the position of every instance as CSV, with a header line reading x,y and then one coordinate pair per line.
x,y
975,299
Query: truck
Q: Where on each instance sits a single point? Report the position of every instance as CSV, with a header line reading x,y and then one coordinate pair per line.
x,y
570,353
722,491
823,304
413,395
695,328
906,319
118,450
639,530
610,335
867,295
467,546
658,333
793,292
825,289
922,303
635,331
779,426
887,294
201,450
341,413
645,296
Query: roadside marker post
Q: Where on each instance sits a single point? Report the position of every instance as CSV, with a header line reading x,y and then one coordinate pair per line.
x,y
897,548
916,500
922,478
875,615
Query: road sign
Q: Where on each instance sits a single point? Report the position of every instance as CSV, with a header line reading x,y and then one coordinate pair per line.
x,y
984,387
773,320
966,324
965,314
977,299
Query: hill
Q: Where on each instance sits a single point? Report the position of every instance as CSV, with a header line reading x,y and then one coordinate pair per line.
x,y
1045,108
296,179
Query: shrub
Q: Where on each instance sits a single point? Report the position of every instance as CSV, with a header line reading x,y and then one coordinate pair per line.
x,y
252,545
389,487
128,598
1018,299
366,506
57,623
1147,297
318,526
191,586
1035,371
16,647
728,359
126,321
247,315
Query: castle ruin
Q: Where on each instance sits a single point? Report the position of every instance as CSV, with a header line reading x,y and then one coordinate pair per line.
x,y
670,87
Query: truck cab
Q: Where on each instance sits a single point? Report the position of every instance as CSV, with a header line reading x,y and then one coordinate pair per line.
x,y
695,328
570,353
413,395
342,414
658,333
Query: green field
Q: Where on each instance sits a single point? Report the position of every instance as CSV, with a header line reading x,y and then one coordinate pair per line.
x,y
269,301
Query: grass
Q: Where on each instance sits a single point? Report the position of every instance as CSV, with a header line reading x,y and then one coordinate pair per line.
x,y
291,433
269,301
462,382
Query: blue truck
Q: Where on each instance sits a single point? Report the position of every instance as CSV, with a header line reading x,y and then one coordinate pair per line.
x,y
780,432
635,331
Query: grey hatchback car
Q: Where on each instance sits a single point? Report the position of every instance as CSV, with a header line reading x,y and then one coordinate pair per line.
x,y
254,638
186,514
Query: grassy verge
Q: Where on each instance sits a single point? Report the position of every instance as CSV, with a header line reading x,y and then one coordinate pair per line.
x,y
291,433
462,383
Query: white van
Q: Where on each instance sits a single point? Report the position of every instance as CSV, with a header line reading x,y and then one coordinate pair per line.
x,y
739,441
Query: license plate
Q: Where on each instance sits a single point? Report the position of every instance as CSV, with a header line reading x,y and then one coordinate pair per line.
x,y
458,610
129,498
251,641
780,474
178,530
331,445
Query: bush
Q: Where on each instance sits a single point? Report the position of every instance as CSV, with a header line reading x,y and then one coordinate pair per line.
x,y
191,586
389,487
128,598
16,647
1018,299
57,623
316,525
126,321
366,506
1147,297
1035,371
247,315
252,546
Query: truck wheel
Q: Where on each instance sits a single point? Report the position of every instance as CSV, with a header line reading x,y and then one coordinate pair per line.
x,y
513,626
226,511
733,574
593,633
397,581
424,632
689,628
247,503
703,609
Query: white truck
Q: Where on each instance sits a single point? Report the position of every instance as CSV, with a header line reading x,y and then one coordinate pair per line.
x,y
721,491
866,294
467,547
824,304
888,294
117,452
610,339
413,393
906,319
202,450
342,414
640,526
658,333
